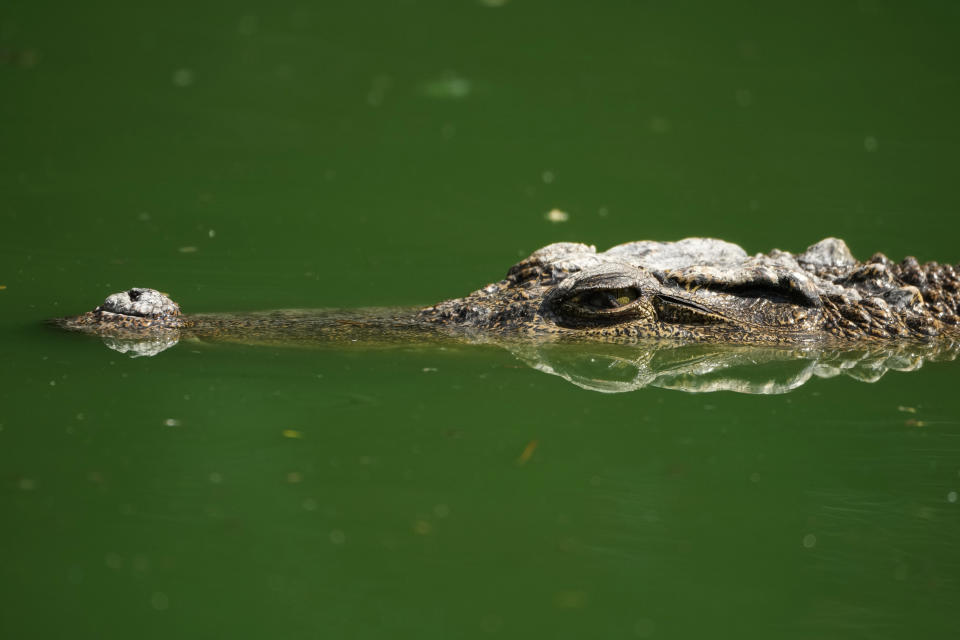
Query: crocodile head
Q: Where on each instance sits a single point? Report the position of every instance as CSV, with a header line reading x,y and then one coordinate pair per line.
x,y
138,321
698,289
133,311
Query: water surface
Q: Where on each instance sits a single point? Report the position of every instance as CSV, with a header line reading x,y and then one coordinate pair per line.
x,y
357,155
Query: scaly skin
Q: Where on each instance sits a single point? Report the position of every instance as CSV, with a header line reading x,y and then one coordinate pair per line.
x,y
704,290
694,290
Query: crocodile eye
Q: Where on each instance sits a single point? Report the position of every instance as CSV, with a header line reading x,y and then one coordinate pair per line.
x,y
605,299
606,295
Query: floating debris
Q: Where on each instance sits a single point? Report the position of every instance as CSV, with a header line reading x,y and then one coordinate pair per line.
x,y
913,422
183,77
26,58
527,452
292,433
160,601
907,409
422,527
571,599
491,623
449,86
659,124
172,422
644,627
378,90
557,216
248,24
188,249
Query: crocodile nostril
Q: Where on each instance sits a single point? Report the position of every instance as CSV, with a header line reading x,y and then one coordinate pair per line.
x,y
134,294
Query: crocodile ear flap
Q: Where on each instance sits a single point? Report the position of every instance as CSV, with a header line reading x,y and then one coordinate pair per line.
x,y
677,311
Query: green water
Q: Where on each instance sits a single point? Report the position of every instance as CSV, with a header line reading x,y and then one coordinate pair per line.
x,y
357,154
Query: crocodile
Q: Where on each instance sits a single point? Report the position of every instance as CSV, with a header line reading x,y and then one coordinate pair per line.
x,y
694,315
692,290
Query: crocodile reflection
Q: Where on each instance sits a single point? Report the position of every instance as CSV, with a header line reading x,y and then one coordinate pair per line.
x,y
618,367
700,368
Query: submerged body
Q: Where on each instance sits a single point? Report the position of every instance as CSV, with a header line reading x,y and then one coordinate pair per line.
x,y
694,290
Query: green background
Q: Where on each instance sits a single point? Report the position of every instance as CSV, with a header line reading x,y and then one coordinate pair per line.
x,y
399,153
